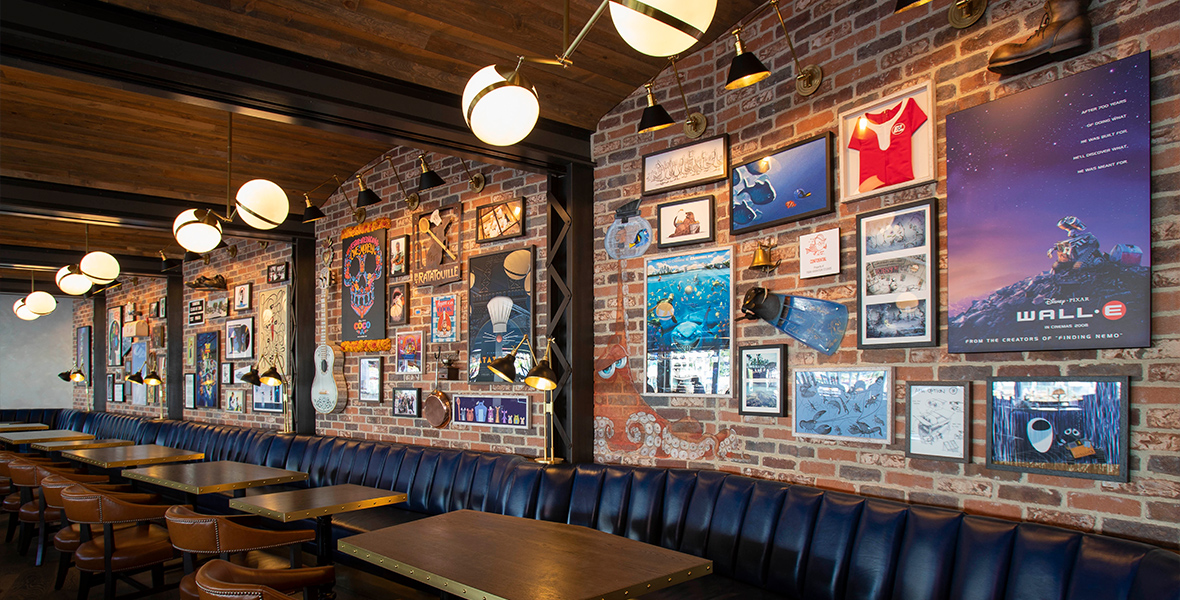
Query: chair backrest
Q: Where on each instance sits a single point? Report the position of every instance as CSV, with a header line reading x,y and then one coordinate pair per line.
x,y
219,579
52,486
87,505
215,534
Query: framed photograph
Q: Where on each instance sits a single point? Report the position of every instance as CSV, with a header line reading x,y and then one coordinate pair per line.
x,y
227,373
190,352
82,353
897,276
114,339
399,255
689,335
761,380
399,304
239,373
938,420
208,389
1067,426
196,307
117,395
278,272
843,403
685,222
239,338
499,220
154,310
110,389
790,184
888,144
444,319
129,392
819,253
700,162
370,372
242,295
162,308
269,399
235,401
217,308
190,390
196,319
407,402
491,410
409,353
499,311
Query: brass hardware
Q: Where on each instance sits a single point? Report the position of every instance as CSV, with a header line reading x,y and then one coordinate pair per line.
x,y
763,260
965,13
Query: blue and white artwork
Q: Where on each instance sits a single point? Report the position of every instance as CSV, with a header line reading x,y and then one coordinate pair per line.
x,y
791,184
846,404
689,323
268,398
139,365
492,411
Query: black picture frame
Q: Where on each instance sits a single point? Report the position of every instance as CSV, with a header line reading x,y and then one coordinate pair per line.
x,y
667,225
399,266
227,373
399,304
500,221
407,402
936,421
772,381
651,165
807,194
278,272
897,279
110,387
1062,441
243,296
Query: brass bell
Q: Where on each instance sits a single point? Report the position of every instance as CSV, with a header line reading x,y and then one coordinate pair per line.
x,y
762,259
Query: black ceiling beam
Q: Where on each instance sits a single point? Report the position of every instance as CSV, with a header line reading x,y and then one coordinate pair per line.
x,y
95,41
16,257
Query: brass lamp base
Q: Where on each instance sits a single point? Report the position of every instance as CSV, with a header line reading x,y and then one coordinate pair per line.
x,y
695,126
475,184
549,461
808,80
964,13
412,201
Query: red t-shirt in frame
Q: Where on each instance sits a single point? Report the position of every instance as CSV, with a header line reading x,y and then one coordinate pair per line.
x,y
894,163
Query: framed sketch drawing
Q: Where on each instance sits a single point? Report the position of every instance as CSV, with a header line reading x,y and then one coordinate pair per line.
x,y
190,390
274,325
217,308
227,373
684,222
761,380
938,420
843,403
790,184
888,144
110,387
700,162
117,395
370,375
407,402
897,271
500,220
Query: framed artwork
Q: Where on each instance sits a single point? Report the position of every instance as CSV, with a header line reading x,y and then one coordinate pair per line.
x,y
1065,265
190,352
897,276
370,372
117,396
227,373
444,319
499,311
843,403
115,336
242,295
399,304
139,358
154,310
238,374
239,338
407,402
1067,426
689,330
274,328
688,165
278,272
399,255
82,352
162,308
819,253
500,220
362,281
190,390
761,377
235,401
208,356
684,222
938,420
268,399
110,389
436,246
129,392
491,410
196,307
789,184
888,144
217,308
196,318
409,353
160,336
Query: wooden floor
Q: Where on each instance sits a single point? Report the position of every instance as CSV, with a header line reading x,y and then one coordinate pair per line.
x,y
20,580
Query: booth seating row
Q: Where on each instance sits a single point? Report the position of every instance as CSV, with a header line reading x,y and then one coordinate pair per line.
x,y
766,539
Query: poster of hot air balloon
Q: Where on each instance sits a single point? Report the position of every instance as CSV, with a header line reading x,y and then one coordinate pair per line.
x,y
500,312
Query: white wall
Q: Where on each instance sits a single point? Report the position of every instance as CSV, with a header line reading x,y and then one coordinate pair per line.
x,y
32,353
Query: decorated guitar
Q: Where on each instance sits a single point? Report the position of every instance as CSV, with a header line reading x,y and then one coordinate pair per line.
x,y
329,377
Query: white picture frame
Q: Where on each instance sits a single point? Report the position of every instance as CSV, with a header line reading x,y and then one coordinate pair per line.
x,y
923,151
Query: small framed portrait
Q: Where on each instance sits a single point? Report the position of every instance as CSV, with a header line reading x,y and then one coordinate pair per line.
x,y
110,386
854,404
399,255
410,351
695,163
888,144
154,310
162,308
217,308
370,373
938,420
242,296
761,380
790,184
399,304
407,402
499,220
278,272
684,222
897,269
190,390
227,373
239,338
235,401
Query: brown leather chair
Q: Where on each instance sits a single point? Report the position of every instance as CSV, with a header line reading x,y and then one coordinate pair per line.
x,y
119,552
219,579
33,514
195,533
12,500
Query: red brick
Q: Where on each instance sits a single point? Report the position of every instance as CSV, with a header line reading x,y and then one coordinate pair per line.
x,y
1105,503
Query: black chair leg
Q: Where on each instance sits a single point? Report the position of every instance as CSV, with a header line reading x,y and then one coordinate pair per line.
x,y
296,556
42,541
108,585
64,560
24,539
13,519
85,582
158,576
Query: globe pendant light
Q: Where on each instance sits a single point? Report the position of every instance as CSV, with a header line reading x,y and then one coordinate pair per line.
x,y
40,303
662,27
262,204
100,267
500,106
198,230
23,311
71,280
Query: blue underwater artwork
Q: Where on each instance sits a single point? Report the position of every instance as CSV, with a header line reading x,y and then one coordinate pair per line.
x,y
852,404
689,323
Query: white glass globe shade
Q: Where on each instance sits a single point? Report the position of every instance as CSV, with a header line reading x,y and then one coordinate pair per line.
x,y
74,282
40,303
498,112
100,267
650,35
194,234
23,311
262,204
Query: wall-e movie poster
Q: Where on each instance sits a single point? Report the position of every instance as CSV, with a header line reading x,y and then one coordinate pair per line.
x,y
1049,219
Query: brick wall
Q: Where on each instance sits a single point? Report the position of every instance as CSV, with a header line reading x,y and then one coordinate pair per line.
x,y
84,316
141,291
867,52
373,420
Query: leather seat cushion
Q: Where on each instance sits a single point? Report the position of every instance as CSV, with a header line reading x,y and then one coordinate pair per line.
x,y
12,503
69,538
712,587
30,513
188,587
135,547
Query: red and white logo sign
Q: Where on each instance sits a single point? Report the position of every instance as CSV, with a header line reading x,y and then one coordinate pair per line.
x,y
899,129
1114,310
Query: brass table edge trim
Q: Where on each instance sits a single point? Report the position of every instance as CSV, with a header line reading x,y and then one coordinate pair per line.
x,y
42,445
209,489
455,588
323,511
660,583
168,483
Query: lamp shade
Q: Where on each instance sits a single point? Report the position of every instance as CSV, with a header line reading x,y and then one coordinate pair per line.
x,y
23,311
102,268
745,70
662,27
312,213
77,376
40,303
153,379
500,106
198,231
135,378
654,117
65,375
251,377
271,377
366,197
71,280
504,367
429,179
542,377
262,204
906,4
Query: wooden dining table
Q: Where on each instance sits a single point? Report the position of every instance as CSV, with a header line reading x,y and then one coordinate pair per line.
x,y
199,478
55,448
119,457
14,427
24,438
472,554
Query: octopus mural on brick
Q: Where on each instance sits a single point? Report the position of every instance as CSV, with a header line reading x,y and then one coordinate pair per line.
x,y
629,430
